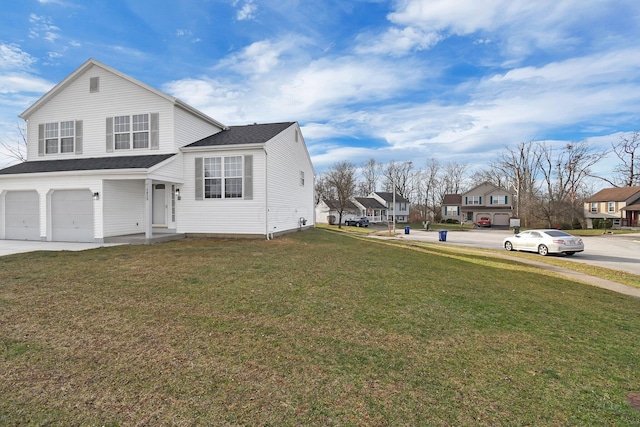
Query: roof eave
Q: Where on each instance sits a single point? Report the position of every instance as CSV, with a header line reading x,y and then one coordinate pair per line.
x,y
202,148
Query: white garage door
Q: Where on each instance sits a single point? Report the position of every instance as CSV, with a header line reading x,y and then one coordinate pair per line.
x,y
501,219
22,215
72,216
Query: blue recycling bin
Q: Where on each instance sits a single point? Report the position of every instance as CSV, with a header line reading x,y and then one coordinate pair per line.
x,y
406,230
442,235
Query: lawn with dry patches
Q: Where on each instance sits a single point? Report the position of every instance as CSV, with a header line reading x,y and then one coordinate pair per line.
x,y
313,328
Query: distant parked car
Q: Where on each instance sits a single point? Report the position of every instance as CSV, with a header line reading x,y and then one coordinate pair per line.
x,y
358,222
544,242
484,221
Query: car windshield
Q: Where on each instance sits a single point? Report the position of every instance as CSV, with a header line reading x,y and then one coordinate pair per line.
x,y
557,233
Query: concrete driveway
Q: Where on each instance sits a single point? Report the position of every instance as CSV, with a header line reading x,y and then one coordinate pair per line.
x,y
10,247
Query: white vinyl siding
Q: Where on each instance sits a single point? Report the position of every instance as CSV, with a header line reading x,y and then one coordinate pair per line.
x,y
123,205
288,200
224,216
116,97
189,128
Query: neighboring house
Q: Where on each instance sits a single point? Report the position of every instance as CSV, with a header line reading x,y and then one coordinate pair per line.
x,y
110,156
402,206
451,207
621,205
489,200
375,211
328,211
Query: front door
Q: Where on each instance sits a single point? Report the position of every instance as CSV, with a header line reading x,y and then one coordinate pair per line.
x,y
159,205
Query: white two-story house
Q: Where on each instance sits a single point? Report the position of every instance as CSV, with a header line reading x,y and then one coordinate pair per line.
x,y
401,209
110,156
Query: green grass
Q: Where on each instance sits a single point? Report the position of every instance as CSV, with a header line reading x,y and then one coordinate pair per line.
x,y
314,328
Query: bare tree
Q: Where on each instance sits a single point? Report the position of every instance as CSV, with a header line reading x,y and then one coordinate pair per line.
x,y
628,151
341,178
18,149
427,182
324,191
454,177
522,166
399,178
371,172
564,178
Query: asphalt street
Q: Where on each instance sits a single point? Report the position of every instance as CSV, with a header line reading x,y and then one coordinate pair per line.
x,y
615,251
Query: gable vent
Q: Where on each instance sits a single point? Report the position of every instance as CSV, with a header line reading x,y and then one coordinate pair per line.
x,y
94,84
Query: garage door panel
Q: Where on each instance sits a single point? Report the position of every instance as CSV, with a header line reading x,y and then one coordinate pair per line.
x,y
72,216
22,215
501,219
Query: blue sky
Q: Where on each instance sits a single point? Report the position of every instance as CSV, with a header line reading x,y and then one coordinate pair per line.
x,y
457,80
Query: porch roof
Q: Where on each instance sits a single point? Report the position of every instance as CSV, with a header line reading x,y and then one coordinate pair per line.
x,y
92,163
635,207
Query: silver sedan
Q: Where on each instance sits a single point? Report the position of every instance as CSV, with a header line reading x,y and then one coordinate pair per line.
x,y
544,242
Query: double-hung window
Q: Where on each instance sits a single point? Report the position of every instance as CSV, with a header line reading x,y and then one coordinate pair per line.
x,y
140,128
131,131
612,207
223,177
499,200
122,132
59,137
51,138
594,207
233,177
473,200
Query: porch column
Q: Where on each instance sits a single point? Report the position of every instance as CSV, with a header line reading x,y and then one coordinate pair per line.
x,y
148,210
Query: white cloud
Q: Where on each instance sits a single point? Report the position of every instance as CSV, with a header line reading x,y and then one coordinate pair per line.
x,y
43,27
247,11
397,41
14,58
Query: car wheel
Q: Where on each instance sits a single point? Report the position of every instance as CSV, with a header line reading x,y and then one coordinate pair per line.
x,y
508,246
358,224
543,250
569,253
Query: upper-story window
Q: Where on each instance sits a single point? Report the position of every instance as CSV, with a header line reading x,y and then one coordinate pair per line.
x,y
499,200
473,200
594,207
611,206
131,131
302,178
59,137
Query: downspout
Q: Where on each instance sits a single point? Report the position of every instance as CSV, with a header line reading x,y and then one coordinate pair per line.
x,y
266,196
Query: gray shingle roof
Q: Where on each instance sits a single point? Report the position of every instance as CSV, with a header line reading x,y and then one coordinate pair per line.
x,y
452,199
249,134
388,197
94,163
370,203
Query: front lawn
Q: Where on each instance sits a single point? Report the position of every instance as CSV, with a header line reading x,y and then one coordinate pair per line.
x,y
314,328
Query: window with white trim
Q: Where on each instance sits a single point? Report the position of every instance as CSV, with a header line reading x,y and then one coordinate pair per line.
x,y
59,137
302,178
594,207
223,177
131,131
451,210
611,206
473,200
499,200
